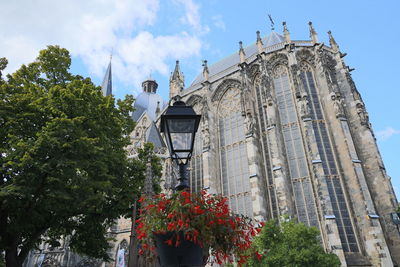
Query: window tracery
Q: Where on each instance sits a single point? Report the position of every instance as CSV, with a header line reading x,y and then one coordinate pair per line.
x,y
263,122
294,147
330,169
233,153
196,162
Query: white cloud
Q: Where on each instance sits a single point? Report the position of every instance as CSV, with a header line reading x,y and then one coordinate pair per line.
x,y
218,22
387,133
90,29
192,16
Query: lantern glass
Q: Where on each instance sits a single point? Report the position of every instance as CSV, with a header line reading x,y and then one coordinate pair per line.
x,y
180,123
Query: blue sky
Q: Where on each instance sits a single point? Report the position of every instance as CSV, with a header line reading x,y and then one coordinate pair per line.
x,y
147,36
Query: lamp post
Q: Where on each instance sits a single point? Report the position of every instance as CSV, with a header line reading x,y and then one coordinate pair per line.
x,y
179,124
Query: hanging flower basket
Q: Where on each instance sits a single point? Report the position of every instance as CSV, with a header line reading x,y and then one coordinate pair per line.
x,y
186,220
185,253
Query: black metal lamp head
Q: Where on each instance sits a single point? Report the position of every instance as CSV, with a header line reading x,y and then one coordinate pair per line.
x,y
179,124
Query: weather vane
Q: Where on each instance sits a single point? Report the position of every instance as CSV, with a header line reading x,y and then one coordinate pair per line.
x,y
272,22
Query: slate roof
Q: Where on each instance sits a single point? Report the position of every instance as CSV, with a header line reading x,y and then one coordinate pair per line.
x,y
154,136
230,63
147,102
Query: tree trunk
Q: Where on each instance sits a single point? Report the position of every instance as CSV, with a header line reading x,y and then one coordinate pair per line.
x,y
12,259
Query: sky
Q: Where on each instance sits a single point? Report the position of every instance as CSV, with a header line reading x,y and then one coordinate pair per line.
x,y
146,37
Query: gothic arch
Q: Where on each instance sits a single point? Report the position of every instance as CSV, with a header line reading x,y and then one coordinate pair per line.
x,y
232,151
254,71
223,86
193,100
327,61
122,245
279,69
305,66
276,60
305,55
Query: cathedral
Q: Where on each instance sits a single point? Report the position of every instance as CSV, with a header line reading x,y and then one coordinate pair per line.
x,y
284,132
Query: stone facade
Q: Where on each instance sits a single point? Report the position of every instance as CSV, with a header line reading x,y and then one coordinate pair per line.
x,y
285,132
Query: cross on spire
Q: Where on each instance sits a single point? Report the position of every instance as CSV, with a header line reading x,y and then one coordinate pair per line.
x,y
272,22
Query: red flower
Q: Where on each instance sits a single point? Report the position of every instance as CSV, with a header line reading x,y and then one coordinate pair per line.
x,y
168,242
258,255
185,194
171,226
141,199
198,210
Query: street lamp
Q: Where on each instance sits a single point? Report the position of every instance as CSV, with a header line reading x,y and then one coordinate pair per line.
x,y
179,124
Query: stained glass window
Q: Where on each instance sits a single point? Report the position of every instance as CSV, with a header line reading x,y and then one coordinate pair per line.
x,y
296,158
233,154
330,169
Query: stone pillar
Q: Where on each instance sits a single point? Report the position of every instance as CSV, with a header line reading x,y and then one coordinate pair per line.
x,y
364,217
281,181
374,185
330,232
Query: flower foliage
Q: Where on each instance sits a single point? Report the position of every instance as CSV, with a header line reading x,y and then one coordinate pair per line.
x,y
203,218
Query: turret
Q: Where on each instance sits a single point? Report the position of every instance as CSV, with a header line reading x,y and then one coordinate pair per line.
x,y
259,42
313,33
176,81
205,70
333,43
286,33
149,86
242,54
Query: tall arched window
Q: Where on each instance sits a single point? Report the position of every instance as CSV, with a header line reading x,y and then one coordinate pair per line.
x,y
122,254
329,165
196,162
234,166
262,117
295,154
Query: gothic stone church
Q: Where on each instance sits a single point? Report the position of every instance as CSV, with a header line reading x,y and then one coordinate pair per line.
x,y
284,131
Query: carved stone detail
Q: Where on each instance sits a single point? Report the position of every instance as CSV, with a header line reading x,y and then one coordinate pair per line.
x,y
193,100
253,71
275,61
362,114
205,127
51,262
230,102
222,87
326,60
89,262
338,105
249,123
353,88
305,55
304,106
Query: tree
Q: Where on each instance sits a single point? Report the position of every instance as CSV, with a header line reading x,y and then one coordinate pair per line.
x,y
63,167
290,244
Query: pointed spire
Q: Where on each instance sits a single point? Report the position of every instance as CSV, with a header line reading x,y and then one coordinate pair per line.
x,y
286,32
206,72
332,42
313,34
176,81
259,42
106,86
177,74
242,54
